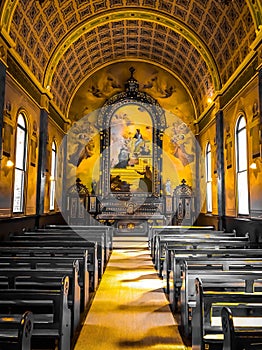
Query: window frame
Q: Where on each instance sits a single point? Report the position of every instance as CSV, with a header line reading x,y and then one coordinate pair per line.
x,y
208,170
53,172
20,168
242,190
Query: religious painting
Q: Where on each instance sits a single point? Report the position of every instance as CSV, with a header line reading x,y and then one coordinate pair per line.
x,y
131,149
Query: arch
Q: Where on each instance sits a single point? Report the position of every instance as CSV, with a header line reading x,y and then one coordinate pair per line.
x,y
20,162
241,156
52,179
208,161
136,14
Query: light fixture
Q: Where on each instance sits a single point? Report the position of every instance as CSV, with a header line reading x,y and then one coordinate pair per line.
x,y
256,165
9,163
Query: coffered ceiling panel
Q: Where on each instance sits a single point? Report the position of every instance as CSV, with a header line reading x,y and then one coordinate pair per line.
x,y
137,40
203,31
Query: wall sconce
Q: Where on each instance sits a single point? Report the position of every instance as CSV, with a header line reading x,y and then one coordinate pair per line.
x,y
256,166
9,163
7,166
253,165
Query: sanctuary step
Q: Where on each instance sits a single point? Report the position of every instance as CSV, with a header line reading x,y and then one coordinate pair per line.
x,y
130,310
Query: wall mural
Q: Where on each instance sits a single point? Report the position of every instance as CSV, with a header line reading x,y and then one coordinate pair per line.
x,y
131,131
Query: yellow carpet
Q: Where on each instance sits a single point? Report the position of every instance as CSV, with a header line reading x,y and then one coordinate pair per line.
x,y
130,310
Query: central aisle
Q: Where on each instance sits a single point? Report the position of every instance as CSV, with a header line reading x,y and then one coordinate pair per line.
x,y
129,310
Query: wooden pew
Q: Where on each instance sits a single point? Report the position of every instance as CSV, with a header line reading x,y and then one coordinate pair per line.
x,y
187,233
46,279
56,248
158,229
248,335
206,318
66,238
108,229
173,257
217,261
16,331
52,317
184,233
85,234
202,241
241,280
52,262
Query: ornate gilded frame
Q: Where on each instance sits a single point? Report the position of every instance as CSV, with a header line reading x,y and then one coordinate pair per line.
x,y
132,95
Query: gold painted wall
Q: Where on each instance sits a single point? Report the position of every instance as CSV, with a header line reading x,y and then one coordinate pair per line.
x,y
245,103
15,101
178,140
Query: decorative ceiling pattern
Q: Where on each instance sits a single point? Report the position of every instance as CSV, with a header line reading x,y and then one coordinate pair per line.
x,y
38,31
160,45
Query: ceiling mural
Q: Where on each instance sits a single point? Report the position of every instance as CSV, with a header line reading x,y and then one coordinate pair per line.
x,y
63,42
170,93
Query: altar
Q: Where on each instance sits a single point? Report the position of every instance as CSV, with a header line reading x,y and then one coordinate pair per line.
x,y
127,187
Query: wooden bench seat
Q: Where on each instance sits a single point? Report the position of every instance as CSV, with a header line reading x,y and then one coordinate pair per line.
x,y
215,280
68,241
52,317
214,242
46,279
172,254
217,262
16,331
53,262
207,330
109,231
56,248
244,335
158,229
184,234
93,236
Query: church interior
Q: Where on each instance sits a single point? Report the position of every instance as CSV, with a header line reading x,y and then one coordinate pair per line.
x,y
130,174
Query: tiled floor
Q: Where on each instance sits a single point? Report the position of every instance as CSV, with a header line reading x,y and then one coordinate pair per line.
x,y
130,310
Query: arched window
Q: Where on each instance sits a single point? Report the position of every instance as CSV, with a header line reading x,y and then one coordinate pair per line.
x,y
20,164
208,178
241,167
53,176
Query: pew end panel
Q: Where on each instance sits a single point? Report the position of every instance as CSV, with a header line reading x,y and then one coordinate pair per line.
x,y
52,316
16,331
245,337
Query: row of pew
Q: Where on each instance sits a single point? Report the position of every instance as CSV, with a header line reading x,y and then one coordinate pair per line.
x,y
213,281
47,280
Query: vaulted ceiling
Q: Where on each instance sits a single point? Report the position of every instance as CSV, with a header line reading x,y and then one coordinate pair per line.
x,y
63,42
